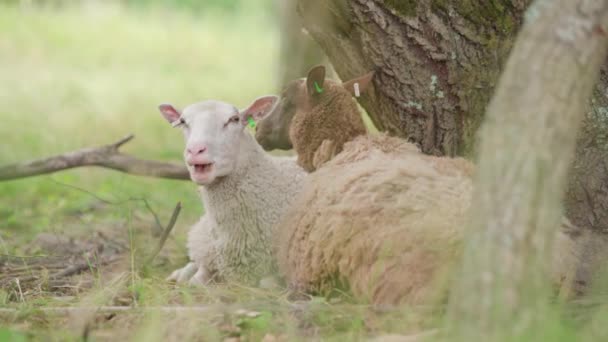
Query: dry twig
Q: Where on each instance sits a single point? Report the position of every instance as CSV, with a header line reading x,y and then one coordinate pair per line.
x,y
166,232
83,266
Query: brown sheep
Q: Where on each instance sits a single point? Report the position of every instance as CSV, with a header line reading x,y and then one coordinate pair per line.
x,y
389,229
380,217
314,112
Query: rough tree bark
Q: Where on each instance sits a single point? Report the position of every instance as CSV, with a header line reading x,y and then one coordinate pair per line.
x,y
587,198
437,63
527,143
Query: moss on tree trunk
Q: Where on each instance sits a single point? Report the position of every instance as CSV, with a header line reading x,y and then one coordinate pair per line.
x,y
527,143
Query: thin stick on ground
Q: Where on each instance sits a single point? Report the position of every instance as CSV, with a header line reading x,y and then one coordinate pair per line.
x,y
158,225
107,156
166,232
23,275
20,291
83,266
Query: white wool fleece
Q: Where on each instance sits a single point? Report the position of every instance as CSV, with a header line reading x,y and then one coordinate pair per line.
x,y
244,191
233,239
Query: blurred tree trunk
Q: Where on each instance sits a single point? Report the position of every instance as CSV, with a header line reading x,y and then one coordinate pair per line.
x,y
527,143
298,51
437,63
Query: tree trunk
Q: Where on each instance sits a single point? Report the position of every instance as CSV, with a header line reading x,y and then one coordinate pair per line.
x,y
107,156
437,63
526,146
298,51
587,198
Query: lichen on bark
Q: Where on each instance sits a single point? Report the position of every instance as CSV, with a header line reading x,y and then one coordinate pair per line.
x,y
405,7
527,144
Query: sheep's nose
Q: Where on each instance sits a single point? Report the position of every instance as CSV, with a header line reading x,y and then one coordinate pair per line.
x,y
196,149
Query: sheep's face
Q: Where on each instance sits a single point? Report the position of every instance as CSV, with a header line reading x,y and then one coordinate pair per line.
x,y
300,97
272,132
213,133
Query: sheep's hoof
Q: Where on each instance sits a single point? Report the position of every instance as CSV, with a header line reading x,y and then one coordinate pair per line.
x,y
201,277
183,274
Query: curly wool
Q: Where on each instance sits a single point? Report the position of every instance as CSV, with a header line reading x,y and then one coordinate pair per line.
x,y
233,239
389,228
332,116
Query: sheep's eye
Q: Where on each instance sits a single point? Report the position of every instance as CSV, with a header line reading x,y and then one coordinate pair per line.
x,y
179,123
234,119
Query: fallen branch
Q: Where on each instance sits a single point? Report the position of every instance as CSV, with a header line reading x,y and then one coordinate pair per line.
x,y
24,275
107,156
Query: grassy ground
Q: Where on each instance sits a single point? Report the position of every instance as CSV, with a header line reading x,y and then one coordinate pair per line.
x,y
89,75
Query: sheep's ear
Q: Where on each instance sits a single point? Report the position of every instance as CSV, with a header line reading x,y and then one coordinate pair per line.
x,y
315,80
259,108
358,85
169,112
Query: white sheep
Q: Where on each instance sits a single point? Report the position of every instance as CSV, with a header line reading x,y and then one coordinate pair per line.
x,y
244,191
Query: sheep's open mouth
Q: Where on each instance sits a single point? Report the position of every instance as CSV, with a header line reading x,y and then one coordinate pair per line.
x,y
202,168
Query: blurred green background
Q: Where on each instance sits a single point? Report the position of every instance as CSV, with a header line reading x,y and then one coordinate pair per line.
x,y
86,73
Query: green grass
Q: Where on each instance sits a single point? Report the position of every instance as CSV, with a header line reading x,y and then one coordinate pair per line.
x,y
80,76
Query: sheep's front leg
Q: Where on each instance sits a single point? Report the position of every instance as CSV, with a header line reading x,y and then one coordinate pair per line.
x,y
196,251
304,163
184,274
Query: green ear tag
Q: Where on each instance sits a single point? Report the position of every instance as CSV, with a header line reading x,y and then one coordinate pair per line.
x,y
317,88
251,122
